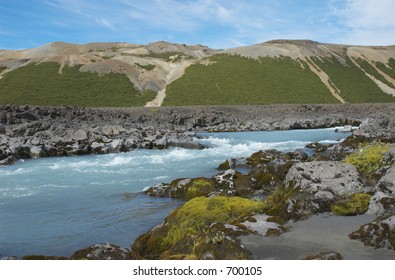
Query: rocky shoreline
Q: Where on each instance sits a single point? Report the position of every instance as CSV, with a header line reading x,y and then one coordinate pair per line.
x,y
33,132
294,185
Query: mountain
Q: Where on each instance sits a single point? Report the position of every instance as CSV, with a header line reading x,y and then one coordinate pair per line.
x,y
163,73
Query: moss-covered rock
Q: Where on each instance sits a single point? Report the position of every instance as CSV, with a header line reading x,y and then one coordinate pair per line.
x,y
184,228
199,187
368,158
379,233
183,188
355,204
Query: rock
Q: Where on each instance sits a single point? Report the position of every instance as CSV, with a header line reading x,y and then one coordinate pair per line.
x,y
387,183
322,182
383,201
344,129
378,126
103,251
379,233
80,135
325,256
9,258
269,169
36,152
299,155
2,130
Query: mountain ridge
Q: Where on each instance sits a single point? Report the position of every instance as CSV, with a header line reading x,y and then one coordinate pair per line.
x,y
155,66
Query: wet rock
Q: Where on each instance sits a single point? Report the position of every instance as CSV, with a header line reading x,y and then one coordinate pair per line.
x,y
325,256
379,233
103,251
2,129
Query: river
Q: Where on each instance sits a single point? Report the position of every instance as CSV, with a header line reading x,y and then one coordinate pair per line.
x,y
55,206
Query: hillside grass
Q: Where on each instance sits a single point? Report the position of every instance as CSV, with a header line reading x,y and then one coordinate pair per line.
x,y
388,69
372,71
232,80
354,85
40,84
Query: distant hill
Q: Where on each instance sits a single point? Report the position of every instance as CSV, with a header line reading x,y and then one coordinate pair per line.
x,y
162,73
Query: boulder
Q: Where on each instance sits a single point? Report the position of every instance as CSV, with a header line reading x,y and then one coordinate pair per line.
x,y
322,182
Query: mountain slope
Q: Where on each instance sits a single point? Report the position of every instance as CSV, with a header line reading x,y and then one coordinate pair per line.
x,y
122,74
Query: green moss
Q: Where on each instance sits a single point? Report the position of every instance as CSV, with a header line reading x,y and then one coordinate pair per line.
x,y
231,80
354,205
197,214
199,187
369,157
40,84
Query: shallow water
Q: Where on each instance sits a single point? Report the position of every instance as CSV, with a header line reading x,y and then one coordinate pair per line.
x,y
55,206
319,233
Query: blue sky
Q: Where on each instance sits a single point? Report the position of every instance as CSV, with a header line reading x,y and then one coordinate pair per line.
x,y
216,23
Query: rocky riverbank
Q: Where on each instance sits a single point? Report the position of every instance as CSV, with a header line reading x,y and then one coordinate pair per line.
x,y
32,132
258,196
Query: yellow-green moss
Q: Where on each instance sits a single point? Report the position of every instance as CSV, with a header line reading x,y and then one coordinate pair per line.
x,y
197,214
199,187
368,157
356,204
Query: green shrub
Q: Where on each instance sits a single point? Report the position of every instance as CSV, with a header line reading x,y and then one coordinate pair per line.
x,y
369,157
232,80
40,84
354,85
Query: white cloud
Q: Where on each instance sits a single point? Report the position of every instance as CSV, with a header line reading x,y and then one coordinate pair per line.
x,y
104,22
367,22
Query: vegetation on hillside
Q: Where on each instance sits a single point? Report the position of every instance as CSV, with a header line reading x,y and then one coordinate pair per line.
x,y
388,69
40,84
354,85
232,79
372,71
